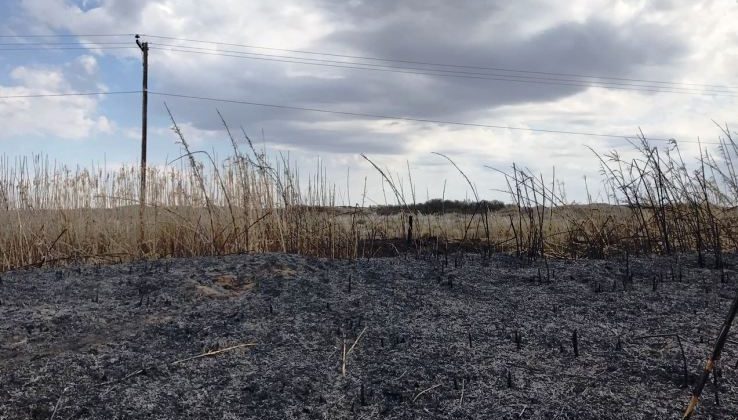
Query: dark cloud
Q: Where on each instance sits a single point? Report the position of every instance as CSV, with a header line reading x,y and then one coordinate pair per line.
x,y
471,32
340,141
592,47
284,129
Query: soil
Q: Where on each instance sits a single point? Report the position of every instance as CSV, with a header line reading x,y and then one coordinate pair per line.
x,y
262,336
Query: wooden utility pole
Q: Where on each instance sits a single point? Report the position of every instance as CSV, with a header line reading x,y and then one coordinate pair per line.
x,y
144,46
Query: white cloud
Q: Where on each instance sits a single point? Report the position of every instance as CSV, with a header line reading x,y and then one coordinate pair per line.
x,y
68,117
286,23
193,135
46,80
89,64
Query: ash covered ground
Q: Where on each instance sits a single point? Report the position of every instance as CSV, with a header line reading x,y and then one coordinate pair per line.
x,y
471,339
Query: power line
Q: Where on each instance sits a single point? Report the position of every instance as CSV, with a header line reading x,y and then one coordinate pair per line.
x,y
446,73
366,66
64,35
399,118
427,63
435,70
90,47
345,113
63,43
580,82
56,95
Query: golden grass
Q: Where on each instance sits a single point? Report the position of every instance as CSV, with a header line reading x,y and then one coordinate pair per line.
x,y
245,203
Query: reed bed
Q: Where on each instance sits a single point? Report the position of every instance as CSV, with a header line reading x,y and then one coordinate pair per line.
x,y
203,205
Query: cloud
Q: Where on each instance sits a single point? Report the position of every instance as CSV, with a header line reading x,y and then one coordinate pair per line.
x,y
49,79
670,41
88,64
71,117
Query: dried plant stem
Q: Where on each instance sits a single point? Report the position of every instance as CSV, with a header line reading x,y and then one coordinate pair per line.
x,y
213,353
425,391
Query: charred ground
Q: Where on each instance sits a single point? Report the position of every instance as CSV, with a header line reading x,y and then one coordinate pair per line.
x,y
470,339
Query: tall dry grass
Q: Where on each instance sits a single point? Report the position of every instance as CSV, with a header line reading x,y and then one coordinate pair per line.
x,y
249,202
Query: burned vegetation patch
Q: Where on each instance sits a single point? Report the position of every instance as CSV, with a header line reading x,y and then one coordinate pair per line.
x,y
281,336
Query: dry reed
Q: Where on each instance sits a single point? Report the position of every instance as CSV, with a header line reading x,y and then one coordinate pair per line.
x,y
251,203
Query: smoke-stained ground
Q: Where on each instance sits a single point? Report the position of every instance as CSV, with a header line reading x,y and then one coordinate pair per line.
x,y
424,339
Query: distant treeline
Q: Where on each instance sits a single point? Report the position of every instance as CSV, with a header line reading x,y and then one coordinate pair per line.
x,y
438,206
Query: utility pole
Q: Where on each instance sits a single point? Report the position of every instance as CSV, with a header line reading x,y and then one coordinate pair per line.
x,y
144,46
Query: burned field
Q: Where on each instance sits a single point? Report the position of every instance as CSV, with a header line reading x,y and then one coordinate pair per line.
x,y
281,336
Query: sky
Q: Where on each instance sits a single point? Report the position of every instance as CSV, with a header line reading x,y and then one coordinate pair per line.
x,y
680,45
